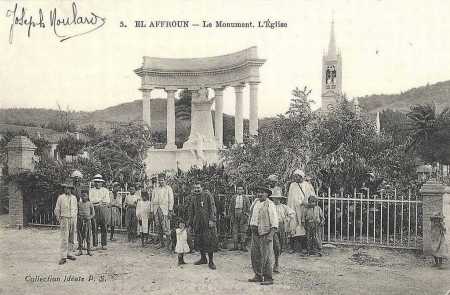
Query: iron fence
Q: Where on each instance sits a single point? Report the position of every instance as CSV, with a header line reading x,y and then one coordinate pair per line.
x,y
42,213
388,219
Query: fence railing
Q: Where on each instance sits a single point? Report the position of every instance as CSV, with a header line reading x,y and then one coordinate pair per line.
x,y
386,219
42,213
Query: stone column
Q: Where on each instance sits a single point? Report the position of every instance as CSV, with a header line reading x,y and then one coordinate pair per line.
x,y
146,108
20,159
171,118
218,93
239,115
432,201
253,124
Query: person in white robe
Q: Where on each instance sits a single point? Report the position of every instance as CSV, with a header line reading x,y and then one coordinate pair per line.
x,y
299,192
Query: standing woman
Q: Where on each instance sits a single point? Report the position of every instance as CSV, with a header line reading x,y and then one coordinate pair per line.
x,y
131,218
116,206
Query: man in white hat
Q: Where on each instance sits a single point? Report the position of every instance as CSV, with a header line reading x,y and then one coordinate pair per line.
x,y
285,215
299,192
66,210
100,198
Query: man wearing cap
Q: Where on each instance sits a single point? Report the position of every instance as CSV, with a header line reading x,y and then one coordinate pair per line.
x,y
299,192
263,225
66,210
100,198
202,222
285,215
239,212
162,208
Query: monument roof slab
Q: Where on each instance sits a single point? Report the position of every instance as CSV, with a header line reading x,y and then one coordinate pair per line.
x,y
239,67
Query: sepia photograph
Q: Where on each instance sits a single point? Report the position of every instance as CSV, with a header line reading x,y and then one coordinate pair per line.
x,y
224,147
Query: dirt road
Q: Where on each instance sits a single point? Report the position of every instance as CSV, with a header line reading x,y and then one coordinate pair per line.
x,y
129,269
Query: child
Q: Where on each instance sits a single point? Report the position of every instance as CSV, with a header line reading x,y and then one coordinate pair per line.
x,y
86,213
143,212
131,220
438,242
313,220
182,246
285,215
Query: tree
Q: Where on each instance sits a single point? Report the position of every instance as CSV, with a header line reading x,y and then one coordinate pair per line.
x,y
280,147
395,124
62,121
430,133
69,145
339,150
91,131
348,151
183,105
122,152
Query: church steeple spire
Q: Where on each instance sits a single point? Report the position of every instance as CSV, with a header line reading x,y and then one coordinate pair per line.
x,y
331,73
332,52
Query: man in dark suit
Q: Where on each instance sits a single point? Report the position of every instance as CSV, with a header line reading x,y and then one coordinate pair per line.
x,y
202,222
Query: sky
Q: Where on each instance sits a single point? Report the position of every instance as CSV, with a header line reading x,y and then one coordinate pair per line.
x,y
386,46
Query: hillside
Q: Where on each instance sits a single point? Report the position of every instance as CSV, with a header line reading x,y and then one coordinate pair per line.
x,y
105,119
132,111
101,119
438,93
129,112
36,117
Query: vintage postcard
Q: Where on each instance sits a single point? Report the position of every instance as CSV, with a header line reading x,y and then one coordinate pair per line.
x,y
224,147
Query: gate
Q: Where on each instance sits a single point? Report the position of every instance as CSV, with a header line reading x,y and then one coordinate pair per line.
x,y
389,219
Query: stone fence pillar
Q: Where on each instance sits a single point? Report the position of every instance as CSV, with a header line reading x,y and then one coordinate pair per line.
x,y
20,159
432,201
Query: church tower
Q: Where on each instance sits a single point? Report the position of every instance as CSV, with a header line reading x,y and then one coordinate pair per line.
x,y
331,74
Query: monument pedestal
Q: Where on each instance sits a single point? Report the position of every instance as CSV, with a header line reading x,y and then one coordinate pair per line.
x,y
159,160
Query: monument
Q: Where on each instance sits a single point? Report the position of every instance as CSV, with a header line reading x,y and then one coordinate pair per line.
x,y
199,75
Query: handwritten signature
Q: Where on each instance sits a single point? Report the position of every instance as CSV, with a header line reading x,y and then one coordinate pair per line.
x,y
79,25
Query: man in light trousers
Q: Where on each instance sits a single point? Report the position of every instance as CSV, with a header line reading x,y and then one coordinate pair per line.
x,y
263,225
66,210
162,208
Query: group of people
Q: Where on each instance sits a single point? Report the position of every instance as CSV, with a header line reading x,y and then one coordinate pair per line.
x,y
84,212
268,221
271,223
